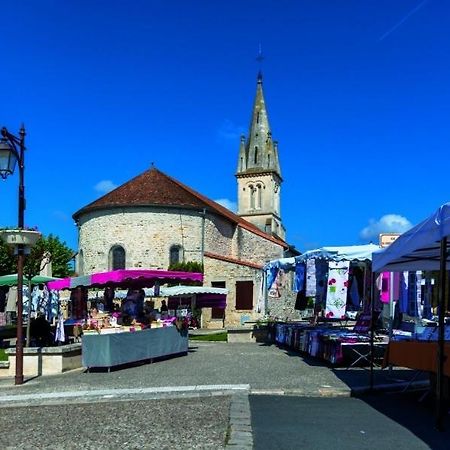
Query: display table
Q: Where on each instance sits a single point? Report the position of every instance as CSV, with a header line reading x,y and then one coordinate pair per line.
x,y
108,350
418,355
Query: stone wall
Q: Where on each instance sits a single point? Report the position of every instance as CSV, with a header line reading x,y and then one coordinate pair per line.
x,y
147,233
216,270
283,306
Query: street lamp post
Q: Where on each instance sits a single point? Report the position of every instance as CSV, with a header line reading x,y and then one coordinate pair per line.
x,y
12,152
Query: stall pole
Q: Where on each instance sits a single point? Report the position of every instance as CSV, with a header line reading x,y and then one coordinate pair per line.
x,y
372,328
441,349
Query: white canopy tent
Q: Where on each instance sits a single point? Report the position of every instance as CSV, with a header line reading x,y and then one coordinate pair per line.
x,y
344,253
424,247
418,248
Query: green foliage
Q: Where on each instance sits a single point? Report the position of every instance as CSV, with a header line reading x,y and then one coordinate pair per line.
x,y
216,337
61,256
8,263
188,266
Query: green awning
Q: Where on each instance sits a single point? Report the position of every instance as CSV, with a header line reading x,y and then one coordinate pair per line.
x,y
11,280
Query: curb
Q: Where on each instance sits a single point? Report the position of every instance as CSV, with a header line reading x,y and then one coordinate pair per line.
x,y
121,394
240,433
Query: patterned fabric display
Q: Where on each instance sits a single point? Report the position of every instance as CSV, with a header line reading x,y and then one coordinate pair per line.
x,y
310,278
337,289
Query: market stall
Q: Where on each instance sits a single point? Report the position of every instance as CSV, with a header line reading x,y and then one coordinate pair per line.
x,y
129,334
337,281
425,247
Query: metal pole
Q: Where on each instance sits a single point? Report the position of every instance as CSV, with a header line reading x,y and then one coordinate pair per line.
x,y
372,328
20,263
441,349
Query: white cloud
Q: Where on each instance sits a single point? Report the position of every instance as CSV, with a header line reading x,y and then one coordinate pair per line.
x,y
229,204
105,186
389,223
230,131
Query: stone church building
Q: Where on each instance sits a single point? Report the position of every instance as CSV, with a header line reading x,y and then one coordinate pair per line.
x,y
154,220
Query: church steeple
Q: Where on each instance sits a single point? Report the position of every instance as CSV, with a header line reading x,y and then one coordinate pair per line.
x,y
259,172
259,152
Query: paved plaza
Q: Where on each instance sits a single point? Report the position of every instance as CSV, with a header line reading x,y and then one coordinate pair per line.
x,y
220,394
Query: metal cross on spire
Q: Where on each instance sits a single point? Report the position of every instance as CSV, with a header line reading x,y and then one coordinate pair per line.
x,y
260,59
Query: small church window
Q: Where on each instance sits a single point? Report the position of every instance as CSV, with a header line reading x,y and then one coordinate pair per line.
x,y
257,117
256,155
258,197
117,258
175,254
252,196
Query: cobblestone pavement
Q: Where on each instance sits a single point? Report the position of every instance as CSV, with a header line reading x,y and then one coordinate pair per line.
x,y
199,423
169,403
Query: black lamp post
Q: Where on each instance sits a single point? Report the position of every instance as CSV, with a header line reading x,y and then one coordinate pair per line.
x,y
12,150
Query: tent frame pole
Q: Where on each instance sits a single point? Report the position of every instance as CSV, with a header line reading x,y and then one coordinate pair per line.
x,y
372,329
441,349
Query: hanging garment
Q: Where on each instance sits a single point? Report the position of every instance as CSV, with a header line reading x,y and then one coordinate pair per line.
x,y
384,294
337,289
426,312
272,273
299,279
59,334
354,294
12,299
321,283
274,290
301,301
403,297
261,304
412,295
310,278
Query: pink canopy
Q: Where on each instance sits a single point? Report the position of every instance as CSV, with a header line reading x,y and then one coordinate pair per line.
x,y
125,278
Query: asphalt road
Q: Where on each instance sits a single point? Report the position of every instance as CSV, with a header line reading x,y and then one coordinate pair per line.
x,y
386,421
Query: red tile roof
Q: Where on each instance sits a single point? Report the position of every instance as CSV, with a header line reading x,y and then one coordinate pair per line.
x,y
233,260
154,188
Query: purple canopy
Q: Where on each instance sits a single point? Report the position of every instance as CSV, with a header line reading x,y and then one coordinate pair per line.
x,y
132,278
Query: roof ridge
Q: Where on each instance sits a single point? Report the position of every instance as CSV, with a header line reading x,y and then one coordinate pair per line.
x,y
227,213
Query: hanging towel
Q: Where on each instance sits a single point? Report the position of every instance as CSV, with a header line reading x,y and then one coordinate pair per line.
x,y
337,289
310,278
299,279
354,294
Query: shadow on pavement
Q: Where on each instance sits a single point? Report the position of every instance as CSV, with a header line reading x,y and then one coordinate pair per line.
x,y
414,412
397,379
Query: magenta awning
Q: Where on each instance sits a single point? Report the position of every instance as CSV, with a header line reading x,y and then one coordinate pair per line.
x,y
132,278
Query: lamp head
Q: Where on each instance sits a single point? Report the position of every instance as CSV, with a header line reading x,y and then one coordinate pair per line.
x,y
8,158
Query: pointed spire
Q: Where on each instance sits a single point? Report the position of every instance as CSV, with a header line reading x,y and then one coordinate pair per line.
x,y
259,152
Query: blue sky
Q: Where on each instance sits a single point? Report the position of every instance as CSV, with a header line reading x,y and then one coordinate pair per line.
x,y
358,95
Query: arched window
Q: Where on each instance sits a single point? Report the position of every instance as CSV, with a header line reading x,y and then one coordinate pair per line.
x,y
252,196
175,254
117,258
258,196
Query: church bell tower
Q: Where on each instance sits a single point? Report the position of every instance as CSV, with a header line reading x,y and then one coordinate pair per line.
x,y
258,174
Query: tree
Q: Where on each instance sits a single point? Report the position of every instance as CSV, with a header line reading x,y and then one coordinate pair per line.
x,y
8,263
60,257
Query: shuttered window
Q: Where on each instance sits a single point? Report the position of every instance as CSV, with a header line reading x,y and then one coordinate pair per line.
x,y
244,294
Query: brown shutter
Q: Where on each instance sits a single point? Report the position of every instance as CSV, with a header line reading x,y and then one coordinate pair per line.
x,y
218,313
244,294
